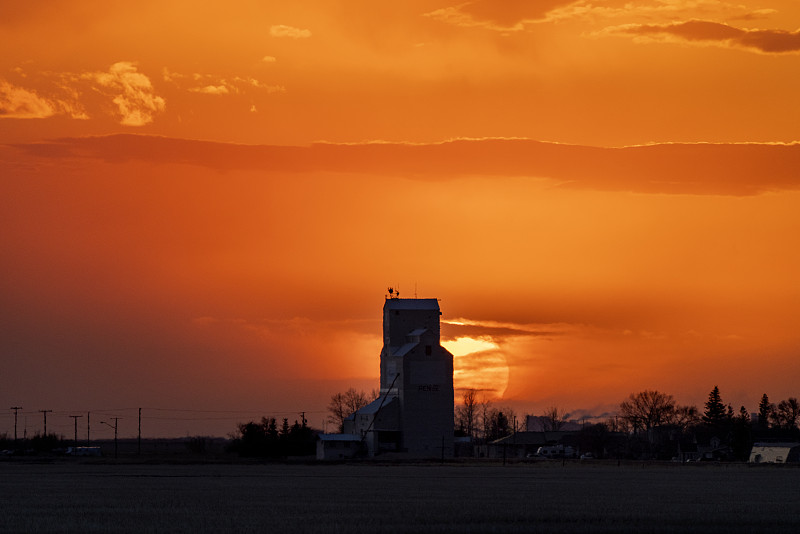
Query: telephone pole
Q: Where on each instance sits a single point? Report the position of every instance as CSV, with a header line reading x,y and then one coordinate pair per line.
x,y
16,409
75,418
114,426
139,440
45,420
88,428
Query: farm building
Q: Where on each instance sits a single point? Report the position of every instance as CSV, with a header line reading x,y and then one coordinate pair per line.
x,y
775,453
414,412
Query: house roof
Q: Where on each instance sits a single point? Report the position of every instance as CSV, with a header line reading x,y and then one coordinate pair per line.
x,y
412,304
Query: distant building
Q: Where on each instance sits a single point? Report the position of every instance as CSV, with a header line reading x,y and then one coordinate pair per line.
x,y
414,413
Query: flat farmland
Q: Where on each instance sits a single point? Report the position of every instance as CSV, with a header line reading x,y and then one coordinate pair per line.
x,y
367,497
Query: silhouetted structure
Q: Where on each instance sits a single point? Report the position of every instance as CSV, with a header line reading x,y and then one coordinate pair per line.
x,y
414,413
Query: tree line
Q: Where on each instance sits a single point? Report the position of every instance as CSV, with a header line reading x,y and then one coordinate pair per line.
x,y
265,439
647,424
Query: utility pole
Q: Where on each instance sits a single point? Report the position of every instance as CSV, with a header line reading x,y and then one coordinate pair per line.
x,y
139,441
75,418
16,409
114,426
45,420
88,428
303,418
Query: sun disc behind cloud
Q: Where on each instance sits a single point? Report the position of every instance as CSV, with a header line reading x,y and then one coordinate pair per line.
x,y
478,363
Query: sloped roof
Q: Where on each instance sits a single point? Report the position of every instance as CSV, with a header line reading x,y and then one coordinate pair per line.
x,y
375,405
405,349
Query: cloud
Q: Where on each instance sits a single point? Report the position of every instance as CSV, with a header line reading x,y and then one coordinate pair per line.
x,y
281,30
269,59
517,15
714,33
252,82
214,85
19,103
134,94
697,169
508,16
653,10
758,14
456,328
211,90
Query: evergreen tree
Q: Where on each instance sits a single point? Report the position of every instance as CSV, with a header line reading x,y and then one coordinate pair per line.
x,y
742,438
765,409
716,412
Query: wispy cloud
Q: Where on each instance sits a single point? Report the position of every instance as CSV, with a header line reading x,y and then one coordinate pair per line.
x,y
654,11
518,15
133,93
509,16
698,169
713,33
210,84
281,30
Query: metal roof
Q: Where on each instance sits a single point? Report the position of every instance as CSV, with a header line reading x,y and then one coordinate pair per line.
x,y
373,406
405,349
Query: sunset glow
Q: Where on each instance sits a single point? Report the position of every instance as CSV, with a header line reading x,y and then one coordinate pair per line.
x,y
201,205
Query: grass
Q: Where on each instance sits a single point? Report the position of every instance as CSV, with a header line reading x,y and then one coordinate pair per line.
x,y
68,497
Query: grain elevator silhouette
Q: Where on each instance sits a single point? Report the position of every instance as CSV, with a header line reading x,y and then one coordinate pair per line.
x,y
414,412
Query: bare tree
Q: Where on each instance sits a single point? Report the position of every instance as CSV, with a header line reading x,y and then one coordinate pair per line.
x,y
343,404
786,414
487,414
685,417
647,409
554,418
466,414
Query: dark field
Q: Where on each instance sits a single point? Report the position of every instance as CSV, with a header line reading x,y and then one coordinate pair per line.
x,y
542,497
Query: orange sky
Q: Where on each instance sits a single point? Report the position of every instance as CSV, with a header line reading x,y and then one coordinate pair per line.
x,y
202,206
